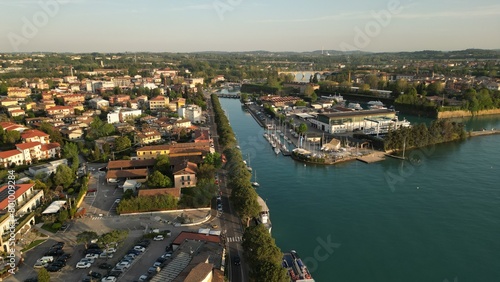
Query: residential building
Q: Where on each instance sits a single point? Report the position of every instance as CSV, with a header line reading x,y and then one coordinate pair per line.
x,y
17,113
182,123
73,98
119,99
9,102
122,115
175,104
199,149
158,102
147,136
61,110
26,200
7,126
194,113
278,101
35,135
18,93
98,103
185,174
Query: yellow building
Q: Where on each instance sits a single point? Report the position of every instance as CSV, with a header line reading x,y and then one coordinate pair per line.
x,y
18,93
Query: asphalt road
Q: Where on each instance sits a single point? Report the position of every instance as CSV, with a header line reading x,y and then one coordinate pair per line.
x,y
230,222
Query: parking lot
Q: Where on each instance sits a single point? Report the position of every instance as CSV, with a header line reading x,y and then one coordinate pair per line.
x,y
102,202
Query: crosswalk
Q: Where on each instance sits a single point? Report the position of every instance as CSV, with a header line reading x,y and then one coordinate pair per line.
x,y
96,217
234,239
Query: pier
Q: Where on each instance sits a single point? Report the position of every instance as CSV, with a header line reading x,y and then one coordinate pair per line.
x,y
484,132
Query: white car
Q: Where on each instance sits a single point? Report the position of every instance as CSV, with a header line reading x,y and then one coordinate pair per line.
x,y
89,260
92,256
158,238
122,265
108,279
140,249
82,265
143,277
111,250
40,264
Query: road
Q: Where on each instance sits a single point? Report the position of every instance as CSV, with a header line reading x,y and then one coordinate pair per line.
x,y
230,222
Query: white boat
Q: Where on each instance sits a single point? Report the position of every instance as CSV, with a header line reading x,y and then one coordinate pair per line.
x,y
376,103
354,106
277,150
255,183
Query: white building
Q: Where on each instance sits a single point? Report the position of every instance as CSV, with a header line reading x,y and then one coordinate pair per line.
x,y
191,112
122,115
99,103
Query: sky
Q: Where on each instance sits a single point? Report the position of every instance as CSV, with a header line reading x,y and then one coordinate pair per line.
x,y
247,25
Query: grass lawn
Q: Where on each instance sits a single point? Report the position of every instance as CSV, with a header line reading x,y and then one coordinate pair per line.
x,y
33,244
48,227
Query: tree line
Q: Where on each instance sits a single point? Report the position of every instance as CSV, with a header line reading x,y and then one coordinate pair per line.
x,y
420,135
260,248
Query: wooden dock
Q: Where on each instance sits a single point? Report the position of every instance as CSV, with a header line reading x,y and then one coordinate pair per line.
x,y
484,132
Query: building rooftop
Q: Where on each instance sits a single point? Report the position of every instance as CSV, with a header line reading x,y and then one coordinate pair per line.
x,y
4,193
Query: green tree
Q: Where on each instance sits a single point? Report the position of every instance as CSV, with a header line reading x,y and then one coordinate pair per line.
x,y
85,237
12,136
43,275
245,202
162,164
64,176
214,159
122,143
302,128
158,180
309,90
63,216
54,134
70,150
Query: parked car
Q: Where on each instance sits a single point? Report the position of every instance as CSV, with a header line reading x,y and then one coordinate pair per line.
x,y
59,244
154,269
93,246
53,268
83,265
64,257
135,252
94,274
92,256
54,252
144,242
89,260
140,249
158,238
105,266
157,264
110,250
143,278
122,264
60,263
93,251
40,264
32,279
109,279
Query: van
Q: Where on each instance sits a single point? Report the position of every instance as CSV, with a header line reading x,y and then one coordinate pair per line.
x,y
46,259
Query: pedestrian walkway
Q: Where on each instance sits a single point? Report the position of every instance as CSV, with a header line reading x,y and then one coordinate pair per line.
x,y
234,239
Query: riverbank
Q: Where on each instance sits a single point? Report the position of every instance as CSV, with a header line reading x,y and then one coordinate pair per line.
x,y
462,114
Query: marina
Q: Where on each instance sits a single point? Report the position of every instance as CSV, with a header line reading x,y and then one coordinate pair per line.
x,y
371,216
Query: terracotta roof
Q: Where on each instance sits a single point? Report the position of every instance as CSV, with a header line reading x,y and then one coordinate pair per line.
x,y
130,164
155,148
125,173
186,167
158,98
60,108
175,192
4,193
8,154
10,125
195,236
199,272
47,147
33,133
24,146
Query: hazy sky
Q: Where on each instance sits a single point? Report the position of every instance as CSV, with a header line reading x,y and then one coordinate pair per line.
x,y
246,25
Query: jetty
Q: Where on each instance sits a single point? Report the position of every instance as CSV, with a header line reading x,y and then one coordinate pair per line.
x,y
484,132
372,158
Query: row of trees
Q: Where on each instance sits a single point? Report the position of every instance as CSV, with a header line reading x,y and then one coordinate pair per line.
x,y
147,203
420,135
260,248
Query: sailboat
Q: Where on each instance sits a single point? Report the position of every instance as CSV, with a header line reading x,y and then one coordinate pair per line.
x,y
277,150
249,168
255,183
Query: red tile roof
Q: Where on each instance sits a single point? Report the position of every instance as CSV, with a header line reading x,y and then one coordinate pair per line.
x,y
8,154
24,146
33,133
195,236
4,193
47,147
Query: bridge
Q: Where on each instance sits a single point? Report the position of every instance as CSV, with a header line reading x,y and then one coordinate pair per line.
x,y
225,95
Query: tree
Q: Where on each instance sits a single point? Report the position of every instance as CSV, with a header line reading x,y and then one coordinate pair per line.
x,y
55,135
85,237
214,159
122,143
162,164
12,136
302,128
158,180
64,176
309,90
63,216
43,275
70,150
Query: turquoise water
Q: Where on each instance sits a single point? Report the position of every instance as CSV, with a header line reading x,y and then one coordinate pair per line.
x,y
435,218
